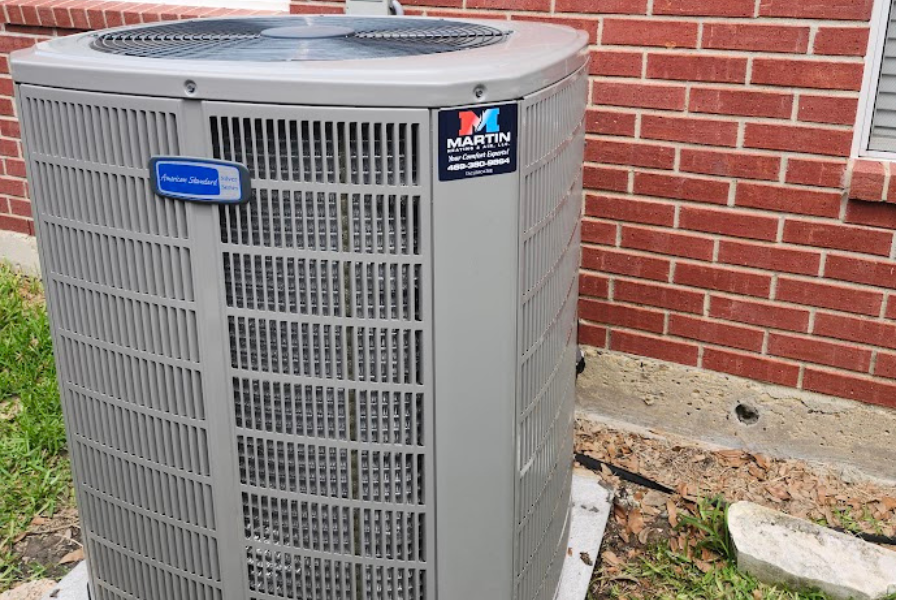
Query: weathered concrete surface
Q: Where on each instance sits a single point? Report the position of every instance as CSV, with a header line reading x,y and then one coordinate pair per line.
x,y
591,503
21,251
699,404
34,590
74,586
780,549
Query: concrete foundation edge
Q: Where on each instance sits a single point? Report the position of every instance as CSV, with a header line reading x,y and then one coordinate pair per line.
x,y
732,412
20,250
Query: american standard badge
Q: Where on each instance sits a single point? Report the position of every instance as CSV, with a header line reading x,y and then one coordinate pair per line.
x,y
477,141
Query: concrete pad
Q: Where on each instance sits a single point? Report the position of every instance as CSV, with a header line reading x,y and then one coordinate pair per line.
x,y
21,251
73,587
591,503
780,549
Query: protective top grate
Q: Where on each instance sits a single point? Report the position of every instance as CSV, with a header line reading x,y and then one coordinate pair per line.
x,y
297,38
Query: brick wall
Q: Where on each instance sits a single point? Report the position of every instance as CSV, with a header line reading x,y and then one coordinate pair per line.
x,y
725,225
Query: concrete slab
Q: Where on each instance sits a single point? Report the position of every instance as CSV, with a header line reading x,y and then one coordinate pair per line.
x,y
591,504
21,251
73,587
780,549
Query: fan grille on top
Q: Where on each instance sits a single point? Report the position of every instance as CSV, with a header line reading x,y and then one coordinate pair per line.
x,y
297,38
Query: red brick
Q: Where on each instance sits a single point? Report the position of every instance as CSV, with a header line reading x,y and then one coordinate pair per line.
x,y
20,208
589,26
625,263
714,332
667,242
875,214
838,237
742,165
532,5
599,7
853,387
827,295
321,8
16,224
787,199
693,67
764,314
15,167
621,315
629,153
826,75
592,335
769,257
827,109
842,41
639,95
598,232
855,329
629,209
809,349
591,284
755,38
605,178
819,173
813,140
728,222
616,63
739,102
696,189
867,179
9,148
658,295
704,8
886,365
890,311
751,366
654,347
696,131
649,32
10,43
723,279
845,10
610,122
861,270
12,187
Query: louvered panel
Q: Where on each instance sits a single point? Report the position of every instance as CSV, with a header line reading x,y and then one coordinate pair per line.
x,y
327,301
550,215
118,270
884,119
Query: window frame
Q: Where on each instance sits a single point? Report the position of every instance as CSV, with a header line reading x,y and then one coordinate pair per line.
x,y
878,28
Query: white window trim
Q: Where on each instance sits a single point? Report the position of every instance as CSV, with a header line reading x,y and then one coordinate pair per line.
x,y
878,26
274,5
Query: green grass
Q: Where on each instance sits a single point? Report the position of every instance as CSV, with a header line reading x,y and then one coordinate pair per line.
x,y
34,468
662,574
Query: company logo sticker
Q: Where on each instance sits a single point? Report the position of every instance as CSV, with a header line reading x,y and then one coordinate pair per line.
x,y
200,180
477,141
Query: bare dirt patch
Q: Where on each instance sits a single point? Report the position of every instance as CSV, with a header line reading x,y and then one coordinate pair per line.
x,y
51,547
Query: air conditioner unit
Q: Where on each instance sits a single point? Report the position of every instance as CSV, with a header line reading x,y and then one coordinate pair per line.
x,y
313,283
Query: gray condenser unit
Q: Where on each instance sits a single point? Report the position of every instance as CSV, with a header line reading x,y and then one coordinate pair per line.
x,y
313,285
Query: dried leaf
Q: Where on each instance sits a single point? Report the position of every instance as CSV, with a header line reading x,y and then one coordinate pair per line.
x,y
635,521
610,558
71,557
38,521
673,513
569,552
703,566
732,458
762,460
586,559
644,535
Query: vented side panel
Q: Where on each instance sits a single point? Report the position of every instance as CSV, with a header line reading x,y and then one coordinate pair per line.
x,y
550,216
117,265
327,298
